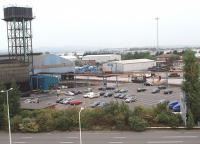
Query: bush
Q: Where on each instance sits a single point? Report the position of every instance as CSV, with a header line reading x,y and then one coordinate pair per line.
x,y
138,124
29,125
45,120
15,123
190,121
163,118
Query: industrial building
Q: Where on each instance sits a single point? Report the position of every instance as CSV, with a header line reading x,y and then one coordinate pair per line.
x,y
50,63
102,58
128,65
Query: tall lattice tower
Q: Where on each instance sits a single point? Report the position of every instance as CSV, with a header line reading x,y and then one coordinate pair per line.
x,y
19,33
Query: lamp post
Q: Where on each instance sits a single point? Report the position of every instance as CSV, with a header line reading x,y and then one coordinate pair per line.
x,y
9,129
79,117
157,40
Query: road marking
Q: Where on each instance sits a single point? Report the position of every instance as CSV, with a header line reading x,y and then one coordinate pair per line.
x,y
20,142
115,142
163,142
72,137
119,137
66,142
180,137
26,137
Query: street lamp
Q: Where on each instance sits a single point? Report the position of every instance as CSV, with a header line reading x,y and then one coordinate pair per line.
x,y
6,91
79,116
157,42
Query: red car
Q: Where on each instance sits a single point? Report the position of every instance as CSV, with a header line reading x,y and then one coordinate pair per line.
x,y
75,102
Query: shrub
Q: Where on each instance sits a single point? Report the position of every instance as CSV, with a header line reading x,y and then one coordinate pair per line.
x,y
190,121
45,120
163,118
29,125
15,123
138,124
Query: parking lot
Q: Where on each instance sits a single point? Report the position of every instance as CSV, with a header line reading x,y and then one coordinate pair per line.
x,y
146,98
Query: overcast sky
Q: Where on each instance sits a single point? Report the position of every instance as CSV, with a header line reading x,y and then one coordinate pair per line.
x,y
82,24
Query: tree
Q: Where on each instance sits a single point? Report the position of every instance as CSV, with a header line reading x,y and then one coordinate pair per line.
x,y
14,99
191,84
2,102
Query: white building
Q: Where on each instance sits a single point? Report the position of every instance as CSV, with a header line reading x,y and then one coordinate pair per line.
x,y
102,58
128,65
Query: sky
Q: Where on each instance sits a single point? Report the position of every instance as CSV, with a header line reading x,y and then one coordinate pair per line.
x,y
91,24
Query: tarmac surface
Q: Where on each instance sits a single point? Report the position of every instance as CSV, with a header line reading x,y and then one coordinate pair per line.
x,y
106,137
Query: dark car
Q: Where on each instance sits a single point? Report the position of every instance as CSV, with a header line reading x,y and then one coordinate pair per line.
x,y
122,96
95,104
176,108
102,93
162,87
156,90
59,100
168,91
76,92
110,88
108,94
141,89
102,88
148,83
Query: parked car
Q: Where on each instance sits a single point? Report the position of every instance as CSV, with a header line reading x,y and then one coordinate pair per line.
x,y
172,104
94,95
95,104
163,101
110,88
176,108
168,91
174,75
102,88
102,93
156,90
75,102
148,83
116,95
130,99
66,100
69,93
76,92
102,104
123,95
59,99
123,90
108,94
141,89
162,87
88,94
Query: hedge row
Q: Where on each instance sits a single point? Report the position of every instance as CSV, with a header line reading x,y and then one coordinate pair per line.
x,y
114,116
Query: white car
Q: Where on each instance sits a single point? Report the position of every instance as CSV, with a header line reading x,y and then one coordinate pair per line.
x,y
90,94
94,95
69,93
130,99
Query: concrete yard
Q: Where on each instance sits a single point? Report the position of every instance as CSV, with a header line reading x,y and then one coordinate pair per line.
x,y
146,99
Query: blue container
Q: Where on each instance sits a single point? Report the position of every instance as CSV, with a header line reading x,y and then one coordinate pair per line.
x,y
44,82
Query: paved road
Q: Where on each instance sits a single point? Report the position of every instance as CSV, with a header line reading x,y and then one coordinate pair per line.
x,y
107,137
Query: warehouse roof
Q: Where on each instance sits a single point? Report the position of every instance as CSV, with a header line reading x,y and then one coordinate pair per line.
x,y
106,55
134,61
